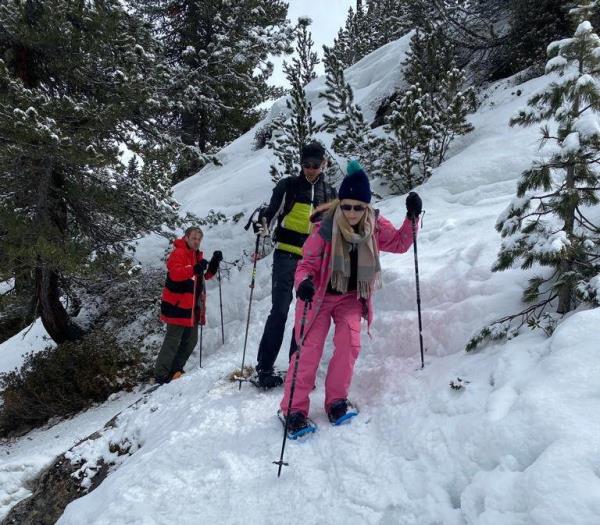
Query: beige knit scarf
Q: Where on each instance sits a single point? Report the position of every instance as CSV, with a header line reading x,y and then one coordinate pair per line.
x,y
343,236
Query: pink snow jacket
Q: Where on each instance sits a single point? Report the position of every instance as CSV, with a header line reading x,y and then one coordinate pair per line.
x,y
316,257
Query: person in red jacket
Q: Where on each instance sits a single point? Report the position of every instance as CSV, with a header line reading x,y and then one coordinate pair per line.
x,y
183,304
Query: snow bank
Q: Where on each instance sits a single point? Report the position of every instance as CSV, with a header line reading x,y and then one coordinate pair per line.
x,y
31,339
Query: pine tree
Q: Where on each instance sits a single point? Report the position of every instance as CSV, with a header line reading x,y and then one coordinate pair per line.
x,y
295,132
380,22
431,63
407,150
78,81
389,20
218,54
342,44
307,59
533,24
549,223
360,33
354,40
429,58
289,135
452,105
353,138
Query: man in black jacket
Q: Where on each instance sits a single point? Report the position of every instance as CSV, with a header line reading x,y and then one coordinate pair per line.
x,y
293,202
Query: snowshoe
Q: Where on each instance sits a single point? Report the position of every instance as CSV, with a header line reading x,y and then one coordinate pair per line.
x,y
341,411
151,389
298,426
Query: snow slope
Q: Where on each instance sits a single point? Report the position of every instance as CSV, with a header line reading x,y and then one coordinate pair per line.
x,y
518,444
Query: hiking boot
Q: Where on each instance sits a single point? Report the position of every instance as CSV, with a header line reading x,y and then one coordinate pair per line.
x,y
269,380
297,422
162,380
340,411
177,375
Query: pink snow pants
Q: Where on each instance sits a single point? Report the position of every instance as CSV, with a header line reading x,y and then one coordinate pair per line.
x,y
346,312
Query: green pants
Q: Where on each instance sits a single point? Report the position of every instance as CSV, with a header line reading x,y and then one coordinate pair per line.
x,y
176,349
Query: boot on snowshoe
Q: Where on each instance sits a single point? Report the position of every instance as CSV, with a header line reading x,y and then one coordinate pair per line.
x,y
298,425
341,411
268,380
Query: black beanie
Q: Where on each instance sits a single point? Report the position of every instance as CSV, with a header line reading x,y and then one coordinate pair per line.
x,y
313,150
356,184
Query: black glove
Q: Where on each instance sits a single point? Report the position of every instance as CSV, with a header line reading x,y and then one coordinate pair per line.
x,y
200,268
306,291
414,205
213,265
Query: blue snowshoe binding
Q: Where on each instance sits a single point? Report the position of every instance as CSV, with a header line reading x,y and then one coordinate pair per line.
x,y
341,411
298,426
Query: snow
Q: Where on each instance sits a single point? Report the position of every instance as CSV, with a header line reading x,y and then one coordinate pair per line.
x,y
595,286
22,460
587,80
587,125
33,338
571,144
554,243
583,29
518,444
558,62
559,44
6,286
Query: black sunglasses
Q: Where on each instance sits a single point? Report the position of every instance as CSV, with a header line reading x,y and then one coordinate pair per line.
x,y
355,207
311,165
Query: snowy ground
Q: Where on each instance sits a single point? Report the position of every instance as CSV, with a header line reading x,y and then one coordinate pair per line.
x,y
31,339
519,444
21,460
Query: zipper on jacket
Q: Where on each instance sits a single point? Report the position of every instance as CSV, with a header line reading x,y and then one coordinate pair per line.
x,y
195,278
312,202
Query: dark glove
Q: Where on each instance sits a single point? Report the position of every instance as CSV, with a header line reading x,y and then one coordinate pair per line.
x,y
213,265
306,291
414,205
200,268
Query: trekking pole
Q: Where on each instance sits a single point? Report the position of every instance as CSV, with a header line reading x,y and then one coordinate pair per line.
x,y
241,378
201,326
221,305
281,463
414,231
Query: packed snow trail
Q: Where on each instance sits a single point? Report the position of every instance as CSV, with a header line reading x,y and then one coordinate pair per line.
x,y
519,444
508,448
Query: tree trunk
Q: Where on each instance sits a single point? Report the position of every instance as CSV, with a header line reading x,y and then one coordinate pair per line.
x,y
52,222
565,292
55,318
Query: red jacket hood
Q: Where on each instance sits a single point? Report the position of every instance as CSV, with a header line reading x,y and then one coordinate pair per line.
x,y
183,245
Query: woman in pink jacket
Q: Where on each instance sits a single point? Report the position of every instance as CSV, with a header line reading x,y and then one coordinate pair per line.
x,y
338,274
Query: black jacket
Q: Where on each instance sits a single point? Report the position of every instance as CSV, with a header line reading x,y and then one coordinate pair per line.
x,y
288,192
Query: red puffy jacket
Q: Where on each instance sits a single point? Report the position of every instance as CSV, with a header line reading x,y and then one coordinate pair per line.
x,y
184,295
